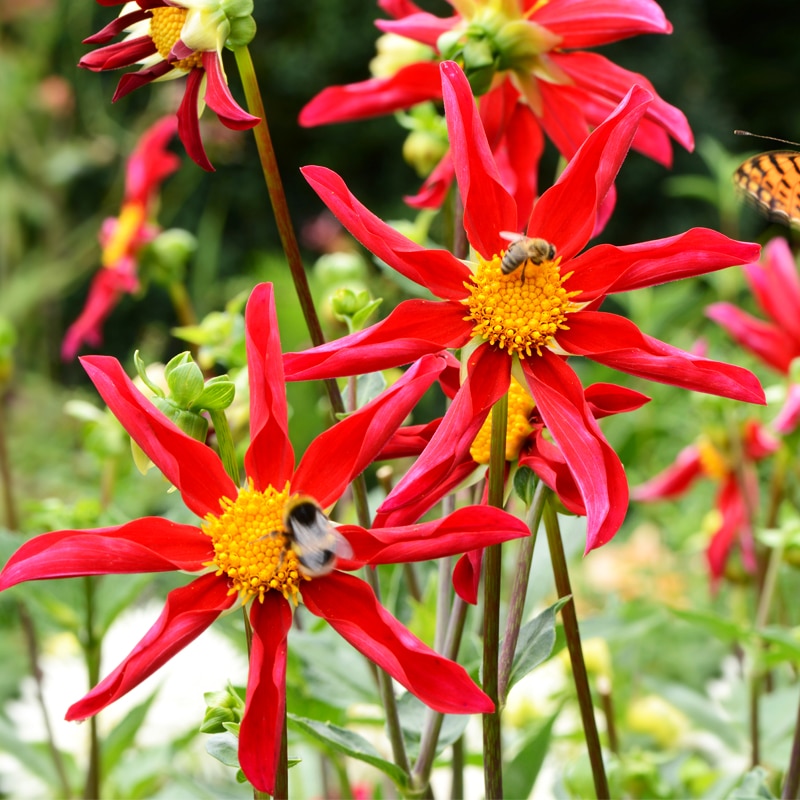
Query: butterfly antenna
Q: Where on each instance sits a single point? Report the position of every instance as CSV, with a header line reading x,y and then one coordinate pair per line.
x,y
768,138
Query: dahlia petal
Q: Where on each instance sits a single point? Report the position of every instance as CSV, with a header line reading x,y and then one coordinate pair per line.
x,y
151,162
595,466
488,379
607,268
116,26
421,27
410,440
265,704
463,530
189,123
220,100
524,145
563,118
488,207
788,418
438,270
358,438
735,524
674,480
414,329
618,343
589,23
353,611
189,610
776,286
149,544
768,342
119,54
398,8
566,213
135,80
598,75
605,399
434,190
467,576
270,458
410,85
191,466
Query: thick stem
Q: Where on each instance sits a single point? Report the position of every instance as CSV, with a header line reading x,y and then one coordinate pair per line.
x,y
493,558
92,655
573,637
519,591
791,786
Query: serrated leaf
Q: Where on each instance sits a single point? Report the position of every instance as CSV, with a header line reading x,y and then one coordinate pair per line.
x,y
350,744
535,642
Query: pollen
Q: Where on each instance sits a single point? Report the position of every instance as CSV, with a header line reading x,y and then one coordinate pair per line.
x,y
165,30
251,547
520,312
519,428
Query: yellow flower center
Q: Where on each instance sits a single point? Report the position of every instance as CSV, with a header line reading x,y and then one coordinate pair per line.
x,y
121,241
520,406
165,30
251,546
712,461
520,312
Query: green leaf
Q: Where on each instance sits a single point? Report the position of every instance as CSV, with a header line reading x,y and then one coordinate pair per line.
x,y
753,786
224,747
124,733
350,744
525,481
521,771
413,713
722,628
535,643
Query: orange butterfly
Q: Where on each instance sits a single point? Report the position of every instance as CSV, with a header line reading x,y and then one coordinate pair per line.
x,y
772,181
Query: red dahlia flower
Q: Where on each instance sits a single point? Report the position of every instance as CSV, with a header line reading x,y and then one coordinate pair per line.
x,y
173,38
240,550
534,317
123,237
732,465
527,59
776,286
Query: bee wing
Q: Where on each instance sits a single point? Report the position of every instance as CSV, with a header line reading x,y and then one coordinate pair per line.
x,y
511,236
343,548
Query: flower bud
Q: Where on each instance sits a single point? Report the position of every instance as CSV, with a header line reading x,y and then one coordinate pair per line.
x,y
395,52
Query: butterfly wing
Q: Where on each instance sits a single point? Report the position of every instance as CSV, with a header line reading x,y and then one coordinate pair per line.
x,y
772,182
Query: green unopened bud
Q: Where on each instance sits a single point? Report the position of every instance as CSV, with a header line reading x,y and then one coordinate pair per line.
x,y
395,52
353,308
423,150
222,709
243,31
190,422
184,379
217,394
168,255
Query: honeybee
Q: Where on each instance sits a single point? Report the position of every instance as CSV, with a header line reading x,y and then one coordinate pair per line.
x,y
315,542
525,248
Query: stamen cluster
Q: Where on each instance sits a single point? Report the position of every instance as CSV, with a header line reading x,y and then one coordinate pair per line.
x,y
251,545
165,31
522,311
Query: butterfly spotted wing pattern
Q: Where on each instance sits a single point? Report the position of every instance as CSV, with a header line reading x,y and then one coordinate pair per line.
x,y
772,182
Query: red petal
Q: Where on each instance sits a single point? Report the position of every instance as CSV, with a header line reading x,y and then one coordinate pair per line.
x,y
220,100
120,54
116,26
340,453
595,466
352,610
618,343
589,23
566,213
414,329
421,27
606,399
488,207
674,480
270,458
434,190
463,530
467,576
410,85
769,343
189,610
189,465
150,544
189,123
151,162
488,379
265,704
605,268
437,270
788,417
134,80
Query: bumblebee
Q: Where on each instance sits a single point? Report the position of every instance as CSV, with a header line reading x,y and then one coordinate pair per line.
x,y
315,542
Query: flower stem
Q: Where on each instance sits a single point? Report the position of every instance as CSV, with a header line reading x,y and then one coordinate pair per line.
x,y
519,591
492,744
283,220
12,519
573,637
91,652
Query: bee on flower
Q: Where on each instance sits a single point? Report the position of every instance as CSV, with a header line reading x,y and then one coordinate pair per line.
x,y
173,39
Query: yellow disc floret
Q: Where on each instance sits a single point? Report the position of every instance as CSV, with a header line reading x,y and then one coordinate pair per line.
x,y
712,460
520,406
522,311
251,546
165,30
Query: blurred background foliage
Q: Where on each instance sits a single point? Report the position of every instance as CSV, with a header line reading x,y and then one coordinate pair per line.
x,y
729,64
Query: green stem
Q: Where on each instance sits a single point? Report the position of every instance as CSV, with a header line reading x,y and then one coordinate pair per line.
x,y
12,519
519,592
227,449
791,786
573,637
283,219
92,656
493,557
